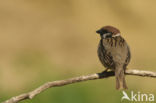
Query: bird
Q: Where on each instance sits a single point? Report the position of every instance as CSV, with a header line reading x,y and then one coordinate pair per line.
x,y
114,53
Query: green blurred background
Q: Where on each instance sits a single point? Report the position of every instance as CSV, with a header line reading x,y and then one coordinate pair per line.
x,y
47,40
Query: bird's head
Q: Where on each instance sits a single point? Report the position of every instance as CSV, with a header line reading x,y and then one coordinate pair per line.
x,y
108,32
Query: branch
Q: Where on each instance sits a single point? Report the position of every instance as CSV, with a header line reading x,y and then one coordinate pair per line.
x,y
58,83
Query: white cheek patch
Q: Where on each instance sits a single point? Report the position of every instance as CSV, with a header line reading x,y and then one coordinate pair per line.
x,y
118,34
106,34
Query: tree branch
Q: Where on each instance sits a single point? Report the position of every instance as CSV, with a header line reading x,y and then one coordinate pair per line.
x,y
58,83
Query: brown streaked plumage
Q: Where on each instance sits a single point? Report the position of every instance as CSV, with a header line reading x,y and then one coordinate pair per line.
x,y
114,53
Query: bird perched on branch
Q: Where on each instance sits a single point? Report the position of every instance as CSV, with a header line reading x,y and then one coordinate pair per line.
x,y
114,53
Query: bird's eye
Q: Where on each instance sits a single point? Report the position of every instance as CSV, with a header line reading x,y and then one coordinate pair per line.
x,y
105,31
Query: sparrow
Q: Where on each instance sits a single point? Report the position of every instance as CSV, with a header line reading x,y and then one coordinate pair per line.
x,y
114,53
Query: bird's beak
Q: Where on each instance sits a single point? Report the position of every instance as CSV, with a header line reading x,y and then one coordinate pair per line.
x,y
98,31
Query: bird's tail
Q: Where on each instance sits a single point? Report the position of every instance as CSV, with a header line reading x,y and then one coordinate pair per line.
x,y
120,79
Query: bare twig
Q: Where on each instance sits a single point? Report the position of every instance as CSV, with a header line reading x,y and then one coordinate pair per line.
x,y
47,85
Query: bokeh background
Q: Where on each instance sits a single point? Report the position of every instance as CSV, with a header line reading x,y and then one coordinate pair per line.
x,y
47,40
